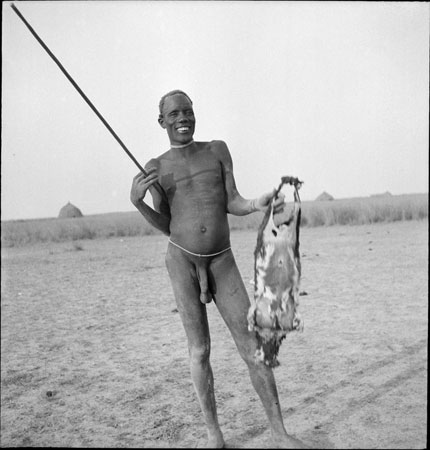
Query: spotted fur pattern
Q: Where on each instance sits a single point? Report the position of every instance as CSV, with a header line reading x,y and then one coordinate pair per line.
x,y
277,269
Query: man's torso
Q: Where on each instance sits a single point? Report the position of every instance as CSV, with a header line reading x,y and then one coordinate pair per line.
x,y
193,180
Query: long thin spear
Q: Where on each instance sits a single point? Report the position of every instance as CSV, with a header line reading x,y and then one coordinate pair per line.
x,y
90,104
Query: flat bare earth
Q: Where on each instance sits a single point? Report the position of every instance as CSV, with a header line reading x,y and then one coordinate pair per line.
x,y
93,354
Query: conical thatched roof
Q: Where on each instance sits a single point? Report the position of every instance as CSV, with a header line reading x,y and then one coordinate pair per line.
x,y
324,197
69,210
384,194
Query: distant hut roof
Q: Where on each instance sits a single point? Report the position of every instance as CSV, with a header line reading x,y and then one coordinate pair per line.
x,y
324,197
69,210
384,194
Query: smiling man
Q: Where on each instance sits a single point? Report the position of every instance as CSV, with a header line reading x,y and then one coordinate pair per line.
x,y
198,190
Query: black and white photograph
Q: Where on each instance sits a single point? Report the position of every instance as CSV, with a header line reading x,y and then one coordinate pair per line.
x,y
214,224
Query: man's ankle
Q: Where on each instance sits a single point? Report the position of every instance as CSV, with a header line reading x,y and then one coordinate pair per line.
x,y
215,439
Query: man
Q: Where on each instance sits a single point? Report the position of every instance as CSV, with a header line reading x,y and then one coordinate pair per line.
x,y
198,190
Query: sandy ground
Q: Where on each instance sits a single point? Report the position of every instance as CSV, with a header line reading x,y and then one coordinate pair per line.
x,y
93,354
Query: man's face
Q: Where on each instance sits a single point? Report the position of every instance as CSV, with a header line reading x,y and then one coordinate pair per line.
x,y
178,119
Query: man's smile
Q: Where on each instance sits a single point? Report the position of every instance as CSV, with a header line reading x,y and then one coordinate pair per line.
x,y
183,129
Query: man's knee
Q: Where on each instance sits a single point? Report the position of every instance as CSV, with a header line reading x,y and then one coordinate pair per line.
x,y
246,346
199,354
249,358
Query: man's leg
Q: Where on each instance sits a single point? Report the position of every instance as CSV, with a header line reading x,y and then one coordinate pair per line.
x,y
194,319
233,304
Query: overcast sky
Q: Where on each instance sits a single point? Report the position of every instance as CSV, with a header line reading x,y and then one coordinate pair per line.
x,y
336,93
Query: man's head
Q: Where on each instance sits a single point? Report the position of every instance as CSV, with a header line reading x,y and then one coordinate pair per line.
x,y
169,94
177,117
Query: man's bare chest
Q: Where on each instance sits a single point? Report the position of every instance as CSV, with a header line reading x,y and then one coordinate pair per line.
x,y
200,171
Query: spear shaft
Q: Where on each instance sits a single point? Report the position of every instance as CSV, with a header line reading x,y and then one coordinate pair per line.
x,y
81,92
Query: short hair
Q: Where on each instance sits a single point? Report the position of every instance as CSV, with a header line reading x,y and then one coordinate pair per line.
x,y
169,94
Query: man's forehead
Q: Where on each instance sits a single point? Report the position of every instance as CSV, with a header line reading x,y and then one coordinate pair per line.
x,y
176,100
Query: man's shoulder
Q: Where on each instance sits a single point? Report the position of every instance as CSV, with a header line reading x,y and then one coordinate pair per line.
x,y
155,162
217,146
220,150
152,163
217,143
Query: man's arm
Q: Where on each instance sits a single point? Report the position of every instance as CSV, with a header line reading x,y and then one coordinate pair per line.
x,y
159,217
236,204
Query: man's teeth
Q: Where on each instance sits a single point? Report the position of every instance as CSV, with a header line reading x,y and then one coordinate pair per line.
x,y
183,129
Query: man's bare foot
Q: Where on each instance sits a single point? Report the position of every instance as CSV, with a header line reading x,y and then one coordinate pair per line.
x,y
287,441
215,440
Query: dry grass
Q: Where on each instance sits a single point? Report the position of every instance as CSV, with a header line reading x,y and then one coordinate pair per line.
x,y
362,211
358,211
22,232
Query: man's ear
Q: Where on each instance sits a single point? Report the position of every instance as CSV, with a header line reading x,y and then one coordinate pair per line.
x,y
161,121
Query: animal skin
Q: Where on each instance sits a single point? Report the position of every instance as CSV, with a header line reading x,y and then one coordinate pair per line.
x,y
277,269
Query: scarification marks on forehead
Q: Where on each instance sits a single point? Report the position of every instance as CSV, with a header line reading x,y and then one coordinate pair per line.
x,y
170,94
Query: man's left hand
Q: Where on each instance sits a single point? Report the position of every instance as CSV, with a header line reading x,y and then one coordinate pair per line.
x,y
263,202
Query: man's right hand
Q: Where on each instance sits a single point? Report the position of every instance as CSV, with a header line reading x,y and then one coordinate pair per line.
x,y
141,184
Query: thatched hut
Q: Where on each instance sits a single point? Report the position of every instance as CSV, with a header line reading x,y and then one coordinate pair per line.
x,y
384,194
324,197
68,211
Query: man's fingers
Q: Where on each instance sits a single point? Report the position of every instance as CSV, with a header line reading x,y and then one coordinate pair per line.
x,y
149,171
140,176
151,180
279,203
151,176
145,179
